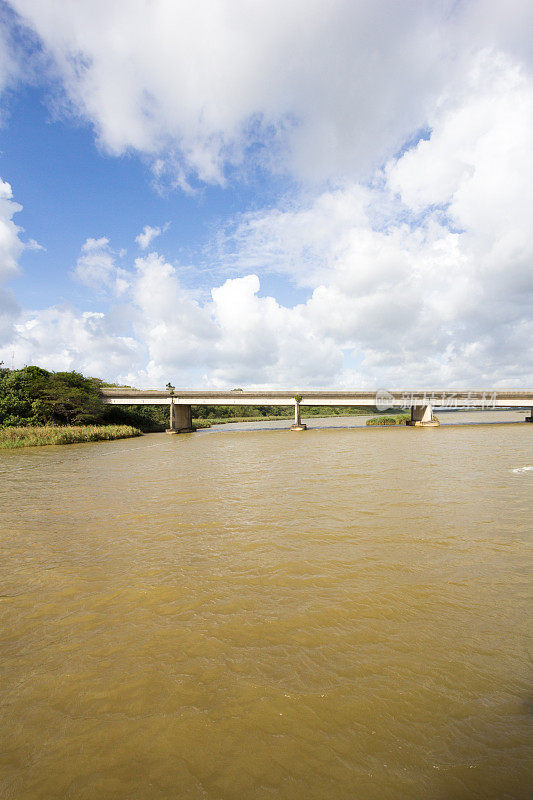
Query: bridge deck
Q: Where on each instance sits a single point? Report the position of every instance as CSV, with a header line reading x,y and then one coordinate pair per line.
x,y
474,398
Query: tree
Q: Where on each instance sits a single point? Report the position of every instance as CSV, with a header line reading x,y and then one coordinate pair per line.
x,y
35,396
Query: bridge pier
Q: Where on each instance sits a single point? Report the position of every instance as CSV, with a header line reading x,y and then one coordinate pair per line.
x,y
530,418
422,417
180,419
298,424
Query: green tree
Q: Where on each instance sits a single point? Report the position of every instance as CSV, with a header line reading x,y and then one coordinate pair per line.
x,y
35,396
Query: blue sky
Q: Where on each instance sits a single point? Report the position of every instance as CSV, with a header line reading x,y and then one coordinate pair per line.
x,y
71,190
338,192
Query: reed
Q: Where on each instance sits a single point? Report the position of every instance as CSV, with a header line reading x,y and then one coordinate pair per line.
x,y
33,436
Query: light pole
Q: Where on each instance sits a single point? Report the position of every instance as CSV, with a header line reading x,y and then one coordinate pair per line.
x,y
170,390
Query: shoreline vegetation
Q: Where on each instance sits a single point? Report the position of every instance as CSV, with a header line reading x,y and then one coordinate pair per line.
x,y
36,435
39,407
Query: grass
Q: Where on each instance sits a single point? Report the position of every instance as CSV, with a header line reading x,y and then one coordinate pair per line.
x,y
397,419
32,436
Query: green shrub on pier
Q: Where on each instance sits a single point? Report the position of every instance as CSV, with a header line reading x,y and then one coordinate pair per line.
x,y
397,419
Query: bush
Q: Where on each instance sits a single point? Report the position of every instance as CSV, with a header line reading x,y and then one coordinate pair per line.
x,y
34,396
398,419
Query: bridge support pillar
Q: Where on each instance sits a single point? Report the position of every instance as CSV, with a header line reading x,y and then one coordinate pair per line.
x,y
180,419
298,424
422,417
530,418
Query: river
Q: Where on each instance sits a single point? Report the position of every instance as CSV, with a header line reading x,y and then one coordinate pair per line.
x,y
246,613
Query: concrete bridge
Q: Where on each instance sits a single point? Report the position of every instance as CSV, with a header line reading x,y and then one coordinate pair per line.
x,y
421,402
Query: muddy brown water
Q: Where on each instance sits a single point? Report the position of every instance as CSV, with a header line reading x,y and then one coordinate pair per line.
x,y
243,614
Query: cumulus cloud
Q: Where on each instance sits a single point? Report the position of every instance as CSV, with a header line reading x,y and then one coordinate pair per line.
x,y
11,247
96,267
429,273
415,247
148,234
233,337
64,339
328,88
424,276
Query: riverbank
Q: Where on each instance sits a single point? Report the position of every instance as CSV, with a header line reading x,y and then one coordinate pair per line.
x,y
323,414
33,436
208,421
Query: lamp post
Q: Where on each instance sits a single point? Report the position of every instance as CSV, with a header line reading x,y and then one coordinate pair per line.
x,y
170,390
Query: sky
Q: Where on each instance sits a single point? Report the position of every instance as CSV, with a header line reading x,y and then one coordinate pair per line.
x,y
290,193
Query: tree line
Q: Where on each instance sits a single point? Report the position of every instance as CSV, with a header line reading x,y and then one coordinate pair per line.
x,y
35,396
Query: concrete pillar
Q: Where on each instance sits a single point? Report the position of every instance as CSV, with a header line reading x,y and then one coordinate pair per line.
x,y
422,417
180,419
172,416
530,418
298,424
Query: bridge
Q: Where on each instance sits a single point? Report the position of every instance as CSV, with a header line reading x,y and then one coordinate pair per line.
x,y
420,402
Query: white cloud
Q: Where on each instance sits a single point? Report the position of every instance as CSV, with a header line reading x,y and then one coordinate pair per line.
x,y
148,234
10,243
428,276
421,274
64,339
31,244
331,87
423,277
11,247
96,267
